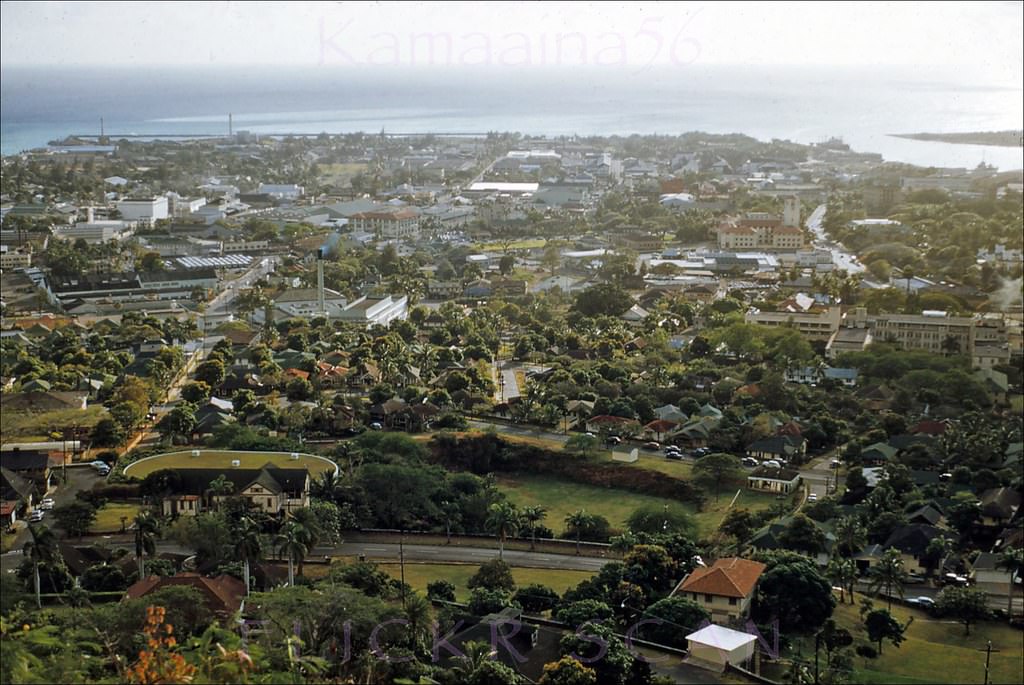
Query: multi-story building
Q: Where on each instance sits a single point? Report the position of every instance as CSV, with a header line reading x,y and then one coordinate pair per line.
x,y
15,259
143,211
725,589
95,231
932,331
763,231
376,311
816,323
397,224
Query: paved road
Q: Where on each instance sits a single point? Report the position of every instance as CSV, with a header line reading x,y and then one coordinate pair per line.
x,y
79,478
819,476
386,551
840,257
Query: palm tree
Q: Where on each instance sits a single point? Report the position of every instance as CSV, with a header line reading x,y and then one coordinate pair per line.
x,y
1012,560
476,654
248,545
843,572
533,516
503,520
889,573
308,528
417,613
41,549
146,527
578,521
452,514
323,486
290,541
850,535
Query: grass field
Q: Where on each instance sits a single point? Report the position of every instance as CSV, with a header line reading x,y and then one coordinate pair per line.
x,y
34,427
108,517
221,459
937,651
518,245
563,497
418,575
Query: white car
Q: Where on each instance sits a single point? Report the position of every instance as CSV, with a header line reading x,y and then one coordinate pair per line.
x,y
813,497
47,504
36,516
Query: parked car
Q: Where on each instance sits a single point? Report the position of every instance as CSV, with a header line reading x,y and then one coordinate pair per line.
x,y
376,426
926,602
652,446
813,497
47,503
749,461
954,579
773,464
914,579
701,452
674,455
835,463
614,440
36,516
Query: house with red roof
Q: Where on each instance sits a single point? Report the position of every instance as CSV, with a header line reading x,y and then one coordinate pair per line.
x,y
725,589
223,595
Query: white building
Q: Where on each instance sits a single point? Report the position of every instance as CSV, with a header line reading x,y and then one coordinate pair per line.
x,y
144,211
14,259
281,191
303,303
715,647
95,231
376,311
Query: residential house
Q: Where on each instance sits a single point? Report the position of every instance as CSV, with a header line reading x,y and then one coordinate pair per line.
x,y
998,506
616,425
784,448
16,495
33,465
878,454
521,646
273,490
781,480
725,589
223,595
998,583
912,542
770,538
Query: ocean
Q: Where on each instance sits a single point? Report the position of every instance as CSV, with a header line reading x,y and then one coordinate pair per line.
x,y
862,106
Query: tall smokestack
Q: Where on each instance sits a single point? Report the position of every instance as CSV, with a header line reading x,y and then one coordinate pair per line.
x,y
320,300
102,133
230,125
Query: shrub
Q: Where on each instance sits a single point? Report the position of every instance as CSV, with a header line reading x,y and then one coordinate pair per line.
x,y
867,651
441,589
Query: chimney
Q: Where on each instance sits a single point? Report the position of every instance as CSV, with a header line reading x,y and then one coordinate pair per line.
x,y
320,301
89,215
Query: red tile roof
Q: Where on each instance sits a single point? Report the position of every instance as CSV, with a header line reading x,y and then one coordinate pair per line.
x,y
223,594
729,577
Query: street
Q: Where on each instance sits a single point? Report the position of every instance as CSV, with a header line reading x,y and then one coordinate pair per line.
x,y
843,260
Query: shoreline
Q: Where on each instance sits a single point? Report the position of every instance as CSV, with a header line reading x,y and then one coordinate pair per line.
x,y
1006,139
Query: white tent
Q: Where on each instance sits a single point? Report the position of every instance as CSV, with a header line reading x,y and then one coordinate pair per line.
x,y
718,646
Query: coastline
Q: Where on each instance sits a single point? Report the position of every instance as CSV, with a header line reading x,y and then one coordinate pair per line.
x,y
1010,139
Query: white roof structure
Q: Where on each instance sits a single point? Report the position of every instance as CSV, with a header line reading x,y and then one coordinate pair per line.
x,y
721,637
484,186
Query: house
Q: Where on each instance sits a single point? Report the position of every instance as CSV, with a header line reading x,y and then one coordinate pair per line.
x,y
16,495
785,448
616,425
878,454
774,479
659,427
522,646
998,583
998,506
770,538
725,589
927,514
715,647
33,465
912,541
272,489
223,595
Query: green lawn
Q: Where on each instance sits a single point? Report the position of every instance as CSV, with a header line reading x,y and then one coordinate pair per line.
x,y
221,459
37,426
563,497
108,517
517,245
418,575
937,651
714,509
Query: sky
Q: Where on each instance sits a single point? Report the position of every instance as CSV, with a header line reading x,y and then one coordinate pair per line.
x,y
985,36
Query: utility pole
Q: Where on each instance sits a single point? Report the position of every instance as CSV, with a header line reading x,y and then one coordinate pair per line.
x,y
988,659
401,563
